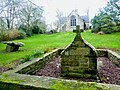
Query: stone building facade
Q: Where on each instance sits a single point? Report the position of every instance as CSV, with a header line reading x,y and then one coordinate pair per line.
x,y
74,19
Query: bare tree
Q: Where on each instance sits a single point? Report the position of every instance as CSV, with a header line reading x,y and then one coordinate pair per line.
x,y
9,10
60,20
30,15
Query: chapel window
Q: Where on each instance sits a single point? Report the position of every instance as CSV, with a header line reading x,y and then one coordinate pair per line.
x,y
73,21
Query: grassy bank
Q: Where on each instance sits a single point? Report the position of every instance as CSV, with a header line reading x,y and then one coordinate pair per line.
x,y
58,40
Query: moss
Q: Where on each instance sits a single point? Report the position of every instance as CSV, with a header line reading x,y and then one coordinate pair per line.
x,y
5,78
62,85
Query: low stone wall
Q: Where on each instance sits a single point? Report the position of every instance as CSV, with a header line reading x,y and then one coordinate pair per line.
x,y
102,52
113,56
11,80
15,81
34,65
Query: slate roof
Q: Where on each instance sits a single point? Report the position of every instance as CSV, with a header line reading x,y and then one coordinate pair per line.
x,y
85,18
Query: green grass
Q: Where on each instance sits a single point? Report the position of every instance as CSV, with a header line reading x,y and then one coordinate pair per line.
x,y
36,42
110,41
58,40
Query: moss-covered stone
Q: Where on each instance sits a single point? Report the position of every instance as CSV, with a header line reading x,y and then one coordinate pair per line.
x,y
101,52
78,57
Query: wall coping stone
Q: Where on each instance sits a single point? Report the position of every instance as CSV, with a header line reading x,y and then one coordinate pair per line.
x,y
110,51
114,53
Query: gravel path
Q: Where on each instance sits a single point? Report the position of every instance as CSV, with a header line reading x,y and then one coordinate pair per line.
x,y
109,72
51,69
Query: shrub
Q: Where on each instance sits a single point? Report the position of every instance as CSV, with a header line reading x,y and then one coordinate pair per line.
x,y
22,34
53,31
35,54
96,30
107,30
13,34
3,35
29,33
41,31
35,29
23,27
116,28
46,50
6,35
27,30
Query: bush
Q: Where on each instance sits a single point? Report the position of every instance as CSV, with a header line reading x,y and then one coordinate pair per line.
x,y
46,50
35,29
3,35
26,30
13,34
107,30
22,34
23,27
116,28
29,33
6,35
35,54
96,30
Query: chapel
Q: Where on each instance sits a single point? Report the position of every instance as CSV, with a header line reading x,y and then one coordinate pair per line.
x,y
74,19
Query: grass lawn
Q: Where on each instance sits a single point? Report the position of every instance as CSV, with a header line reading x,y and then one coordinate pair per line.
x,y
58,40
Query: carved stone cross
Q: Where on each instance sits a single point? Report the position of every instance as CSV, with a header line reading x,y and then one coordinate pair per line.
x,y
78,30
78,35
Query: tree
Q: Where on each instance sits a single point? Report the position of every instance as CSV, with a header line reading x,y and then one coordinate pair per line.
x,y
110,13
60,20
31,15
113,9
9,9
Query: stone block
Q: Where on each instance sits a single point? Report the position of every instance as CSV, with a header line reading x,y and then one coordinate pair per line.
x,y
79,75
76,69
78,44
80,51
69,62
101,52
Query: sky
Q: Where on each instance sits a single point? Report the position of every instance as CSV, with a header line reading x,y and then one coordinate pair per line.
x,y
66,6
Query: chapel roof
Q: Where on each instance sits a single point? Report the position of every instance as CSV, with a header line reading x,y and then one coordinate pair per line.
x,y
84,17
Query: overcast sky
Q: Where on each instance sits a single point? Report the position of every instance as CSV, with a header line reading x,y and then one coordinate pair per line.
x,y
66,6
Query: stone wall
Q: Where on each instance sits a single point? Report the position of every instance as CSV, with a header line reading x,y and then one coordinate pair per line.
x,y
34,65
79,59
11,80
113,56
15,81
102,52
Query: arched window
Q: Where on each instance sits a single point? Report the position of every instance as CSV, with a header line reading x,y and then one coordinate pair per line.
x,y
72,21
